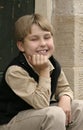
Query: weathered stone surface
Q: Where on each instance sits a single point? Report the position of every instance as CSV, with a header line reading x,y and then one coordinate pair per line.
x,y
68,23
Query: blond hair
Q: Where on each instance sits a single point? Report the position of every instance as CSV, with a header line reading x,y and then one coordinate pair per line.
x,y
23,25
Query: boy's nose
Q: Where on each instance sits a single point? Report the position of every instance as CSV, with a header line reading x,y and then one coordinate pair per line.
x,y
42,42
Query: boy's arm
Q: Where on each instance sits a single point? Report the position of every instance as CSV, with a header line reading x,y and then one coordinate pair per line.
x,y
63,87
65,96
36,94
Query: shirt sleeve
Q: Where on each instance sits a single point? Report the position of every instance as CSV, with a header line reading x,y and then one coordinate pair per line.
x,y
63,87
35,94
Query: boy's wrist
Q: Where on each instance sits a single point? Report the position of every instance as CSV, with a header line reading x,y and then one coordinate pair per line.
x,y
45,72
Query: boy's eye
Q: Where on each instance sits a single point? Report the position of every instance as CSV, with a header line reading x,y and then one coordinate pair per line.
x,y
47,37
34,39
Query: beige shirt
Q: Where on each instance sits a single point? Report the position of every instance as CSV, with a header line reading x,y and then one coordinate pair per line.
x,y
36,94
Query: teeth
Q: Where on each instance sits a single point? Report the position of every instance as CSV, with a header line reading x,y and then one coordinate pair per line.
x,y
42,51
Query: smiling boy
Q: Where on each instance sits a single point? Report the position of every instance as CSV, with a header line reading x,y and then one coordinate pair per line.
x,y
34,92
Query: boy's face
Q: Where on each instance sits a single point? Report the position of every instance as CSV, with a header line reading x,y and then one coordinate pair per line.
x,y
38,42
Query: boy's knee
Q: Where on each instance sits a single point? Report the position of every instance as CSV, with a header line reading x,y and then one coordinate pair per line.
x,y
56,114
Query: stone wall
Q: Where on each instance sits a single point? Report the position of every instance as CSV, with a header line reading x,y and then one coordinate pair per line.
x,y
68,22
78,58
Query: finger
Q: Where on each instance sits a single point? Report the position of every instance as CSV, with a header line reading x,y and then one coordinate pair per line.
x,y
68,118
34,60
45,59
42,59
38,60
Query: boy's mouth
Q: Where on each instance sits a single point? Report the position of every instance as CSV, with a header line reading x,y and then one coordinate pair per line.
x,y
42,52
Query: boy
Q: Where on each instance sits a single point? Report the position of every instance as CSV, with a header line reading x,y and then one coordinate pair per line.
x,y
34,92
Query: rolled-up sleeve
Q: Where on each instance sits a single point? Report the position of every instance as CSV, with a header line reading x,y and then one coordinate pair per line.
x,y
36,94
63,87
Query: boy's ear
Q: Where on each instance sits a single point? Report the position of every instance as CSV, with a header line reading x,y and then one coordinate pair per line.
x,y
20,46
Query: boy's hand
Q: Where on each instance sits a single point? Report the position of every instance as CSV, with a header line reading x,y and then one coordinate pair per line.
x,y
40,63
65,104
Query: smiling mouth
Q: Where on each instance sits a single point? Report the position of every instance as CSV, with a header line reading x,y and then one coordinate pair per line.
x,y
42,52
